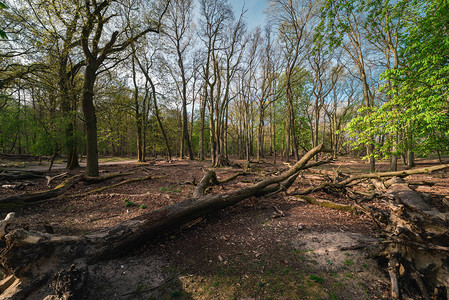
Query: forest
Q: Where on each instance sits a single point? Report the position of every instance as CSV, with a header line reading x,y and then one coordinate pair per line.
x,y
345,100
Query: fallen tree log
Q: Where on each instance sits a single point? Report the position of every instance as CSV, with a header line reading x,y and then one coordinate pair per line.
x,y
93,180
27,253
43,195
59,190
20,175
417,242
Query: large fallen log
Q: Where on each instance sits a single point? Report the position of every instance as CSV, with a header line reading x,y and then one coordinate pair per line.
x,y
43,195
27,254
417,243
20,174
27,198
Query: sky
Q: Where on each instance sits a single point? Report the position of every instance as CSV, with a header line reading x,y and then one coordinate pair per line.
x,y
254,15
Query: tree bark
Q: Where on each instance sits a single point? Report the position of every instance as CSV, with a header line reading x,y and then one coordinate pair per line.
x,y
90,119
418,237
43,195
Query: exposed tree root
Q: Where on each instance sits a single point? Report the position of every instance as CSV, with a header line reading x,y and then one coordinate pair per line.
x,y
417,243
223,161
51,178
209,178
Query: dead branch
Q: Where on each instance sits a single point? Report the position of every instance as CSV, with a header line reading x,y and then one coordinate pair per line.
x,y
20,175
232,177
209,177
93,180
391,174
350,180
112,186
50,178
59,190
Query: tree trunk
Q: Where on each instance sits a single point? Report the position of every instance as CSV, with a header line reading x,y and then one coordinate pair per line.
x,y
185,128
156,108
90,120
316,126
159,121
202,125
138,114
410,159
394,158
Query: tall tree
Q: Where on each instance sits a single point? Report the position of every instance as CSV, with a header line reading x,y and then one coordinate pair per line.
x,y
215,15
2,33
178,30
325,75
97,49
46,35
292,18
343,24
418,104
233,50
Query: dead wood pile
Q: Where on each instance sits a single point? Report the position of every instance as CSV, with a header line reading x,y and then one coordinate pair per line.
x,y
415,232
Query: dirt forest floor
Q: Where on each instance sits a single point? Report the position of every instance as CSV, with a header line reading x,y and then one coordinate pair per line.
x,y
274,247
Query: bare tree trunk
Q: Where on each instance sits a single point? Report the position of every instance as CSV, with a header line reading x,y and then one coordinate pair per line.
x,y
156,112
138,113
202,125
90,119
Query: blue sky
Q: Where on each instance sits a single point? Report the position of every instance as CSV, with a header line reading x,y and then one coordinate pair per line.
x,y
254,15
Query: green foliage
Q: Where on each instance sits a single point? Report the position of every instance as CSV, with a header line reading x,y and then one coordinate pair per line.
x,y
301,84
417,114
316,279
10,126
44,144
2,33
129,203
348,262
176,294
